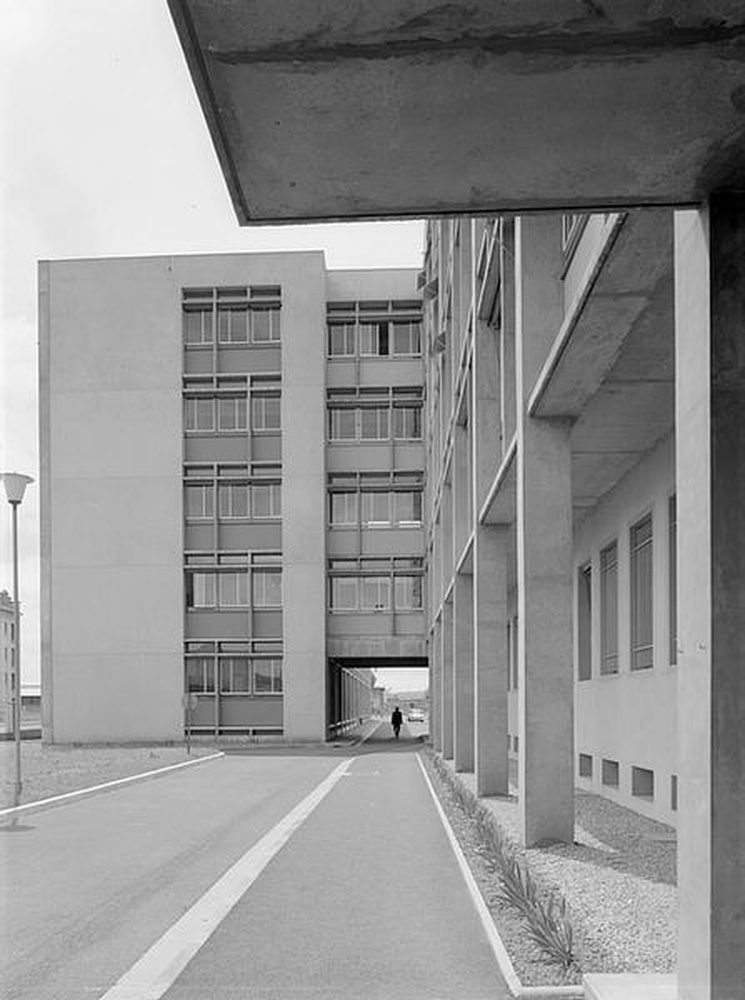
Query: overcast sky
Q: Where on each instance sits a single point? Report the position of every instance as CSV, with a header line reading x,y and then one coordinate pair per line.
x,y
104,152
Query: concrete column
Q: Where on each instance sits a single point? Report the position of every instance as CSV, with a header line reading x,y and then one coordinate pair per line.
x,y
463,754
544,553
446,660
490,659
710,469
435,686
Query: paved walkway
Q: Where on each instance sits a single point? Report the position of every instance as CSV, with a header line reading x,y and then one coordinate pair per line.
x,y
364,900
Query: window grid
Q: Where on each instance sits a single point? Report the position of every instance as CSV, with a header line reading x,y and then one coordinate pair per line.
x,y
242,316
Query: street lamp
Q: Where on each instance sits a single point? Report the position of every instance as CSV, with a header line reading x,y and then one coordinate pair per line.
x,y
15,486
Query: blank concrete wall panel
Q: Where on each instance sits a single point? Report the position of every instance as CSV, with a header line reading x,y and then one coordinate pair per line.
x,y
132,521
114,325
118,433
116,609
110,698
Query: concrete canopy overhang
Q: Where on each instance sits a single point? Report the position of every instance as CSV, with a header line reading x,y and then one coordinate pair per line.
x,y
613,367
409,108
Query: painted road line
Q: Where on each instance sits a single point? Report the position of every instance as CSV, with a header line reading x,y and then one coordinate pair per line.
x,y
495,942
158,969
82,792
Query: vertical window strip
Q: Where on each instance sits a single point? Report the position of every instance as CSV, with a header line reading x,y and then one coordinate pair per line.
x,y
641,581
584,623
673,580
609,609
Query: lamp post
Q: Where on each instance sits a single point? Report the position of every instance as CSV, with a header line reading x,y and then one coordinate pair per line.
x,y
15,486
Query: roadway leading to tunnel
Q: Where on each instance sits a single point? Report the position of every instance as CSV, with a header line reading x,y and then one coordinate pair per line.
x,y
364,900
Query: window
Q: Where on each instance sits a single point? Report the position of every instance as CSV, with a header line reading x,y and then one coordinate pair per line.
x,y
407,507
408,593
200,590
342,424
233,500
267,589
585,765
267,676
199,414
232,324
642,783
232,414
374,339
198,502
198,325
407,423
376,507
265,413
344,593
233,590
200,675
235,677
266,500
642,655
341,340
609,609
673,580
265,326
375,593
407,338
674,792
584,624
343,508
374,424
609,773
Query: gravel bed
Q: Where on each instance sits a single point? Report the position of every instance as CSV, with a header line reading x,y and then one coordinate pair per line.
x,y
531,965
618,879
53,770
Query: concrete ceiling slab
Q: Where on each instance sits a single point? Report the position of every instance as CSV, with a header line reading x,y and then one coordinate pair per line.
x,y
409,108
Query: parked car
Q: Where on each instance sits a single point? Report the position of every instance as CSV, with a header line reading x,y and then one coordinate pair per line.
x,y
415,715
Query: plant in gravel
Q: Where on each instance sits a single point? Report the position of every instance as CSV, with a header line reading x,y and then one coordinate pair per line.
x,y
544,911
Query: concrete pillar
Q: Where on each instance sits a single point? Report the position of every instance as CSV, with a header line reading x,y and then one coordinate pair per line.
x,y
463,755
544,553
435,687
490,659
710,469
446,660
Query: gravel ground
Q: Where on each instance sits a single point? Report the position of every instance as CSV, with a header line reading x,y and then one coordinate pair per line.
x,y
618,879
53,770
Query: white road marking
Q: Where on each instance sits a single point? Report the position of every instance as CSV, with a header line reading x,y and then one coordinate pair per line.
x,y
495,942
157,970
82,792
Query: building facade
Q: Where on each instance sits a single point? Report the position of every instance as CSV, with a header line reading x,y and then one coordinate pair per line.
x,y
7,629
232,477
552,508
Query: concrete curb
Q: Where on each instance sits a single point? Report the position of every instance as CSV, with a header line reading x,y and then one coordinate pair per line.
x,y
501,955
81,793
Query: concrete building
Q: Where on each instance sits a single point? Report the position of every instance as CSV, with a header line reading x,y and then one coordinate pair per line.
x,y
7,628
552,508
232,475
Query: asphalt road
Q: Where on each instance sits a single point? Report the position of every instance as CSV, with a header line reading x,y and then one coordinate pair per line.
x,y
364,900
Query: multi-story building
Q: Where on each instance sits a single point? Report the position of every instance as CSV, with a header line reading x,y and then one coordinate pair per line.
x,y
552,508
7,629
232,477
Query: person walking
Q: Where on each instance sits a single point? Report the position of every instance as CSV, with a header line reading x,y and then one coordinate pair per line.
x,y
396,720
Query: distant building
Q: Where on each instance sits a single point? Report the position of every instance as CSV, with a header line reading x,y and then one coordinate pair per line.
x,y
241,436
7,630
